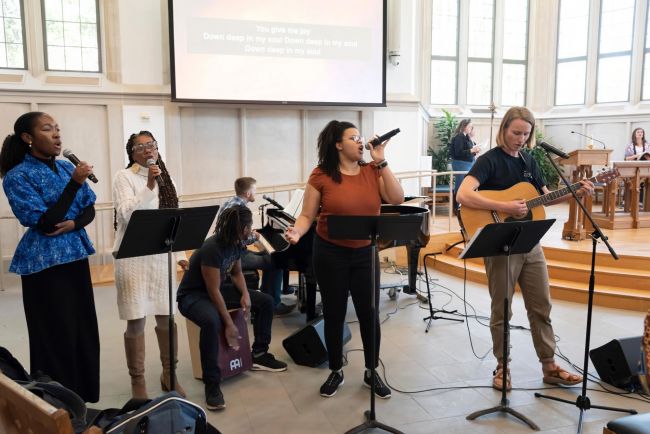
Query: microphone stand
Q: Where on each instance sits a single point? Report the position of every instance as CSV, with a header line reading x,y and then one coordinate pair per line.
x,y
582,401
261,210
591,138
493,109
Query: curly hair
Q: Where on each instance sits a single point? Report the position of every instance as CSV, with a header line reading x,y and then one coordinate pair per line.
x,y
14,148
230,225
328,155
167,196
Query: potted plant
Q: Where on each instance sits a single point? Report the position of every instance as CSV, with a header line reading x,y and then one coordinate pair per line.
x,y
445,128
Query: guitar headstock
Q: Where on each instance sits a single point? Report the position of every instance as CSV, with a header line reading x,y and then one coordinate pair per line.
x,y
607,176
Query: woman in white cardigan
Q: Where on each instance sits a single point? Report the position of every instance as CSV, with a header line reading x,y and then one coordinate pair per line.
x,y
142,282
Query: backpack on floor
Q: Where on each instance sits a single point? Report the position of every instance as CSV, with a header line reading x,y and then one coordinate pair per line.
x,y
12,367
49,391
169,413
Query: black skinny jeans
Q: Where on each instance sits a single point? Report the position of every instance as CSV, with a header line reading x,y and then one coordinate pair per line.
x,y
198,308
341,271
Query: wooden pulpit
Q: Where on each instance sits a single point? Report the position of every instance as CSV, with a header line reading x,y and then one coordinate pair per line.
x,y
582,160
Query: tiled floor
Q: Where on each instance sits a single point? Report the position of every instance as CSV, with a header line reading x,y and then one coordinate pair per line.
x,y
440,379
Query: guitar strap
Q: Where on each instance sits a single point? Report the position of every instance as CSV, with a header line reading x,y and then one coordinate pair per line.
x,y
528,173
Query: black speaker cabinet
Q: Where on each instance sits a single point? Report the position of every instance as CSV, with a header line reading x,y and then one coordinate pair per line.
x,y
307,345
618,361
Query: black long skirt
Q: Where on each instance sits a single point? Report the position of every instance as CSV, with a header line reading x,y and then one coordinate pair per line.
x,y
62,325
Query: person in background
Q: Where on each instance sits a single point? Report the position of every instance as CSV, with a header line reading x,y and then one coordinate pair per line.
x,y
142,282
638,148
462,152
343,184
52,200
245,189
204,299
498,169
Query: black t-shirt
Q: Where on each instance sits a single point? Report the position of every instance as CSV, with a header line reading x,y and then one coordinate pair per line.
x,y
497,170
211,255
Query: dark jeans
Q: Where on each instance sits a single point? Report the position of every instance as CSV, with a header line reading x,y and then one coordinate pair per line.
x,y
271,276
198,308
341,271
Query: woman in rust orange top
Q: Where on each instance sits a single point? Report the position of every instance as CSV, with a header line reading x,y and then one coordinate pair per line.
x,y
343,184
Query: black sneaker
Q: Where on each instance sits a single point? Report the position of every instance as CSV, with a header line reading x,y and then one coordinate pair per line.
x,y
267,362
288,290
283,309
331,384
214,397
381,390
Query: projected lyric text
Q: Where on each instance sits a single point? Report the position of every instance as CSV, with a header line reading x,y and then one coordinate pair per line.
x,y
272,39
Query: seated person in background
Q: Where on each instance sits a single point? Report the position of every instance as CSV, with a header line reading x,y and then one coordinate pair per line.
x,y
205,300
638,149
271,277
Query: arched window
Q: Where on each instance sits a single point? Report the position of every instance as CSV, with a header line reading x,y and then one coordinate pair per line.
x,y
479,52
12,35
71,35
595,51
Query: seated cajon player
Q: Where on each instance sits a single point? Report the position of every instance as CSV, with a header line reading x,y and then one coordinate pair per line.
x,y
204,299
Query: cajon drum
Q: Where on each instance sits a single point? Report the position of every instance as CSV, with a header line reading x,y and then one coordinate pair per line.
x,y
231,362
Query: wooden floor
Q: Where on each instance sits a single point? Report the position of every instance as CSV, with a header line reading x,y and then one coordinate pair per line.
x,y
623,283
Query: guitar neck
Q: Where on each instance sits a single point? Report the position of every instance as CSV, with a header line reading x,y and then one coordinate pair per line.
x,y
550,197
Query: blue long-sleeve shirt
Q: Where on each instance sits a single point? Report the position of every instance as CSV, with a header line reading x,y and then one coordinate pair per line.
x,y
32,188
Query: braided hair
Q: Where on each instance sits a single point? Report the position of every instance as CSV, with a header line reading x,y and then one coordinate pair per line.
x,y
328,155
230,225
167,196
14,147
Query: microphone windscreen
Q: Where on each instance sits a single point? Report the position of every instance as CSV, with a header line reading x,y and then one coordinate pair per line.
x,y
70,156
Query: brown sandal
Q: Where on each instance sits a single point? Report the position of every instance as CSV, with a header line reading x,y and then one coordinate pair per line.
x,y
497,379
561,376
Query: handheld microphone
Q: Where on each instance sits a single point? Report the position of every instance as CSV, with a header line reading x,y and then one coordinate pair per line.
x,y
376,141
74,160
159,180
590,138
272,202
553,150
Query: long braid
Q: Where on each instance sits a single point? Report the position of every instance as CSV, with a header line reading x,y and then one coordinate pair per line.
x,y
168,198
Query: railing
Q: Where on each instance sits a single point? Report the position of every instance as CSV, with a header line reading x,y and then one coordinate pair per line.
x,y
101,230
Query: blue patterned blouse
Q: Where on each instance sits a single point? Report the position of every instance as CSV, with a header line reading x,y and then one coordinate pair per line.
x,y
31,188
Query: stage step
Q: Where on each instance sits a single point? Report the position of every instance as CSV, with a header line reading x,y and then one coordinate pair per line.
x,y
623,284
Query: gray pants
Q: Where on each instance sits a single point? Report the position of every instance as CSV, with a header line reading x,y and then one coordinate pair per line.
x,y
530,271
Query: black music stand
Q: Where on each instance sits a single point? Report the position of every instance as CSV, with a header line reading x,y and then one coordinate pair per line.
x,y
156,231
505,239
394,227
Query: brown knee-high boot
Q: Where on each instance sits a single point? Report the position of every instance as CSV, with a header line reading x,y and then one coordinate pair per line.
x,y
134,349
163,344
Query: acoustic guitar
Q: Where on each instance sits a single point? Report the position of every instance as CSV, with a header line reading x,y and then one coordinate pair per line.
x,y
472,219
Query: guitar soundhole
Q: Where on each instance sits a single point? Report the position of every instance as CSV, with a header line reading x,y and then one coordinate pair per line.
x,y
527,217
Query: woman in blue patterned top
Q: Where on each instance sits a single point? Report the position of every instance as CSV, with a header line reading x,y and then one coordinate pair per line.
x,y
52,200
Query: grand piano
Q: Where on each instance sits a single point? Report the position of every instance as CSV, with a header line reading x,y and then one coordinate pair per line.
x,y
299,257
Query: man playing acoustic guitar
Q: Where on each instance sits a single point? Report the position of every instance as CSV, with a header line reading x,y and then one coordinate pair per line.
x,y
499,169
